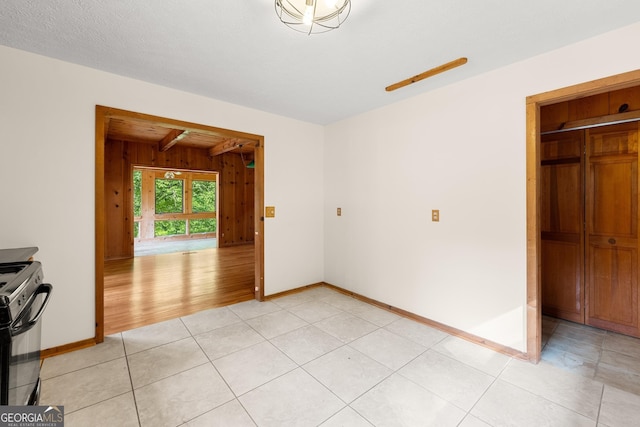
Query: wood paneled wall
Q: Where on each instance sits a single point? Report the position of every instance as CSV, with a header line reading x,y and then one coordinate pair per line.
x,y
236,204
555,116
235,191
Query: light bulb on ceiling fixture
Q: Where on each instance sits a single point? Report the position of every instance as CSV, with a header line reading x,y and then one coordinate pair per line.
x,y
307,18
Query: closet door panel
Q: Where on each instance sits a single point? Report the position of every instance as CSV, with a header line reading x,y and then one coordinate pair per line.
x,y
612,228
561,279
613,296
562,225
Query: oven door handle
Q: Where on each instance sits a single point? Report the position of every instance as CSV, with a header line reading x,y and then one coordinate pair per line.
x,y
44,288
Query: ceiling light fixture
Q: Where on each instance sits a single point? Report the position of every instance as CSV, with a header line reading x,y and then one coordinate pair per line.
x,y
171,174
313,16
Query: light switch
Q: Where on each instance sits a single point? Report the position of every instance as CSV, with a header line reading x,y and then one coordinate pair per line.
x,y
270,211
339,211
435,215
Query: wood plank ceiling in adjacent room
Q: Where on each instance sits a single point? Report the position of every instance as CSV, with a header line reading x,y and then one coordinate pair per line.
x,y
168,135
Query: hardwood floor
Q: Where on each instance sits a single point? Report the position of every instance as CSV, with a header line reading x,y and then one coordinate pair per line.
x,y
140,291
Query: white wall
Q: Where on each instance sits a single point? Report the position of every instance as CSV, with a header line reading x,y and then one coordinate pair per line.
x,y
47,119
459,149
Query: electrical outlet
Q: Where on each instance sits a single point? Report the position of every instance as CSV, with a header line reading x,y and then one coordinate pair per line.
x,y
339,212
435,215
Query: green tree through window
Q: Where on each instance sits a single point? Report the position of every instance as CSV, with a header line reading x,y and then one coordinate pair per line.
x,y
169,196
137,201
137,193
169,199
197,226
170,228
203,196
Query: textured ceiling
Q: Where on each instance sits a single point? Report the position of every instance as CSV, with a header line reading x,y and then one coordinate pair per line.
x,y
237,51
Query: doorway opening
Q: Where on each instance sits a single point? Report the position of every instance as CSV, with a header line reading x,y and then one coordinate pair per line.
x,y
533,155
126,140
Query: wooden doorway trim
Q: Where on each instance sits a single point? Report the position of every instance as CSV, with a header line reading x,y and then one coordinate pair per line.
x,y
534,102
103,115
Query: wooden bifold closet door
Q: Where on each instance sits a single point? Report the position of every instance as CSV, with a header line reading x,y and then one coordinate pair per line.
x,y
612,228
589,221
562,225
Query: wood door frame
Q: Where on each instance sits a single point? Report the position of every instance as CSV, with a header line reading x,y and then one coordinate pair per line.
x,y
533,104
103,115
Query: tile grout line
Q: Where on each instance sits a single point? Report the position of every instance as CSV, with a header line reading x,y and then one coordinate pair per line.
x,y
219,374
133,391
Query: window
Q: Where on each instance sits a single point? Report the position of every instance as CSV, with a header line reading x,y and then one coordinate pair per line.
x,y
203,196
169,196
137,201
174,204
170,227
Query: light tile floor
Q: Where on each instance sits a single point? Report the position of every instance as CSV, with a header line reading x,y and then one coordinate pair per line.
x,y
322,358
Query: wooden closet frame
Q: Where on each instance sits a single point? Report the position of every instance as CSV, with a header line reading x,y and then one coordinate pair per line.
x,y
534,102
